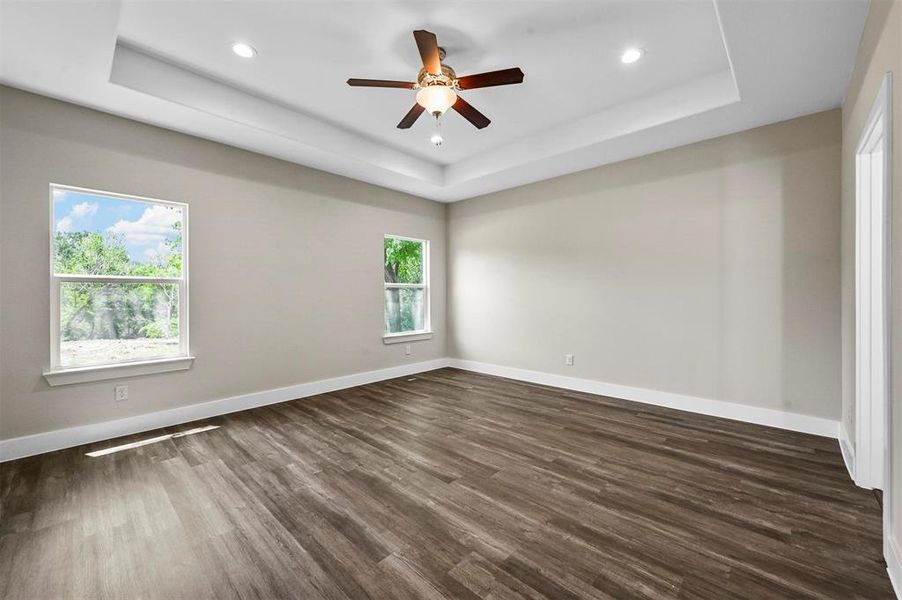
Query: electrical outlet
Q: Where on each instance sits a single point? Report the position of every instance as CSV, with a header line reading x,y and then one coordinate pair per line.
x,y
568,360
407,349
121,393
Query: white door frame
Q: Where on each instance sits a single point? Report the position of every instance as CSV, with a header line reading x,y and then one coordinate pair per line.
x,y
873,189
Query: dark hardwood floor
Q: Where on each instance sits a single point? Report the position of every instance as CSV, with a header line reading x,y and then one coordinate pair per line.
x,y
447,484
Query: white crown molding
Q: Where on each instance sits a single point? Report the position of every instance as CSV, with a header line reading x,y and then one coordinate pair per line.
x,y
39,443
715,408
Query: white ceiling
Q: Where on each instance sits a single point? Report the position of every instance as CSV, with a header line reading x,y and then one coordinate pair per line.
x,y
710,68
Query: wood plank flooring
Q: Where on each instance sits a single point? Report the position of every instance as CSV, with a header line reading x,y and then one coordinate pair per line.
x,y
445,485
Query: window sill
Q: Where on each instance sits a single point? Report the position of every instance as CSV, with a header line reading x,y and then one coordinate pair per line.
x,y
408,336
102,372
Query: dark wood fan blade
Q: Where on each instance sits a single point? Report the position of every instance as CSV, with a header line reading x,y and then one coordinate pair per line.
x,y
411,117
383,83
481,80
427,44
469,113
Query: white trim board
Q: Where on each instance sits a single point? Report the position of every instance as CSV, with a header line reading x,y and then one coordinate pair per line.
x,y
848,450
893,564
716,408
39,443
873,252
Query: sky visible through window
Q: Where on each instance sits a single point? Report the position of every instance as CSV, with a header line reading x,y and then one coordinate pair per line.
x,y
108,322
144,227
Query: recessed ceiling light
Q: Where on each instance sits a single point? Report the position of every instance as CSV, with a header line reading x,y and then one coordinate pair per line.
x,y
244,50
631,56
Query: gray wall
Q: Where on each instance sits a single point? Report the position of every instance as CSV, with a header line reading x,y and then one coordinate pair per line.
x,y
286,263
710,270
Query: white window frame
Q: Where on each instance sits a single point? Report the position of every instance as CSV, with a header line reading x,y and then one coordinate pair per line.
x,y
419,334
59,375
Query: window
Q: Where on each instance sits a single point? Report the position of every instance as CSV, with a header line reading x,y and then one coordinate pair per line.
x,y
406,287
119,280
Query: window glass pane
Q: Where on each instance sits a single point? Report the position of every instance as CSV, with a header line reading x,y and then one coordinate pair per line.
x,y
403,261
405,309
94,234
103,323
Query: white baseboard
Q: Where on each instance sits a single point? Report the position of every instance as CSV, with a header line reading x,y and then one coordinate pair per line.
x,y
848,450
75,436
29,445
728,410
893,564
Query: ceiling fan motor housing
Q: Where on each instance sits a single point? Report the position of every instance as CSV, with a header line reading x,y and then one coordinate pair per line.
x,y
447,78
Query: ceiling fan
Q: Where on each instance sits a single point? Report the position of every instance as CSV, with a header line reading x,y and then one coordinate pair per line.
x,y
438,84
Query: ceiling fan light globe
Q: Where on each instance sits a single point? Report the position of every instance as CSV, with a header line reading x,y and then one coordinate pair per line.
x,y
436,98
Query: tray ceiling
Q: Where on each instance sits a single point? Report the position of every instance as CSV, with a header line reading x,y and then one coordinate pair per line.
x,y
708,69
